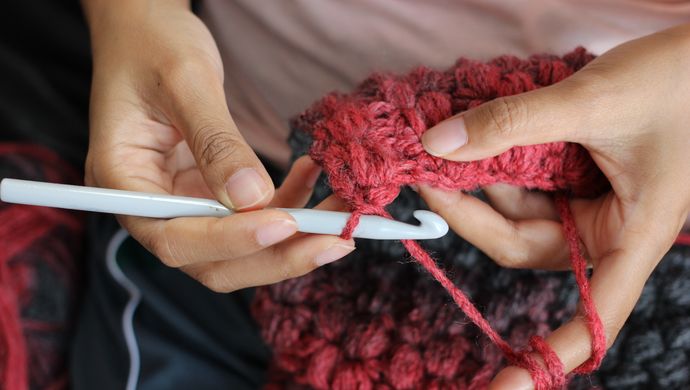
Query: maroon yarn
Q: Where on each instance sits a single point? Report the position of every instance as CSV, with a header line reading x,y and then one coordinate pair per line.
x,y
369,145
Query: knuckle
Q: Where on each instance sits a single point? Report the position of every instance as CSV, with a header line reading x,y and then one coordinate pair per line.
x,y
612,328
592,77
513,255
212,144
165,249
98,169
210,281
292,266
441,202
288,270
594,91
218,282
176,73
612,325
150,242
506,113
217,231
510,259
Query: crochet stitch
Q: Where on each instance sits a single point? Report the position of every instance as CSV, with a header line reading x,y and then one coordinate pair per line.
x,y
368,144
374,320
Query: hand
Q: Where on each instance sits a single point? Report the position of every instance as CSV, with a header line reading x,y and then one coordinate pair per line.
x,y
629,109
160,123
243,255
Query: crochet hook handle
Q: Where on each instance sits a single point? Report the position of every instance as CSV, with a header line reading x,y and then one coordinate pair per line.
x,y
168,206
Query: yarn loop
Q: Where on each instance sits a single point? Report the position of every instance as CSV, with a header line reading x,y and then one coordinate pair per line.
x,y
368,143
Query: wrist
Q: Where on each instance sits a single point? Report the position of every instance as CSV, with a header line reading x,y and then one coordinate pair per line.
x,y
105,17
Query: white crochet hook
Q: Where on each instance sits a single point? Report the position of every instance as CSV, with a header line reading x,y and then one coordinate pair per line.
x,y
168,206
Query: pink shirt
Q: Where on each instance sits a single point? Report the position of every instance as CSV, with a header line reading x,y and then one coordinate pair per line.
x,y
280,56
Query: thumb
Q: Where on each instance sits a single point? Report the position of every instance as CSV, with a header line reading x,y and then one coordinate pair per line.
x,y
229,166
540,116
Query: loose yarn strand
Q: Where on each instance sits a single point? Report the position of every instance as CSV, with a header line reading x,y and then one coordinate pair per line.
x,y
423,258
552,376
579,265
463,302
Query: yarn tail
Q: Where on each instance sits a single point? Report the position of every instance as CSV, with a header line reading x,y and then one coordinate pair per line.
x,y
579,265
423,258
552,376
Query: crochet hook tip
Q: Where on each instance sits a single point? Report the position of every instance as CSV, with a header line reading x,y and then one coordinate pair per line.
x,y
432,224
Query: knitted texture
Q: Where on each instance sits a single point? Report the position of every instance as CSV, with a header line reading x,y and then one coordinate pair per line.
x,y
369,321
368,142
369,145
39,252
373,320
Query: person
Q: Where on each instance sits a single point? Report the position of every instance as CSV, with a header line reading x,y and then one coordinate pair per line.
x,y
170,113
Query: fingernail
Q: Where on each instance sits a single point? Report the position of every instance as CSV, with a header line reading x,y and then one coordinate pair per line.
x,y
274,232
246,188
445,137
333,253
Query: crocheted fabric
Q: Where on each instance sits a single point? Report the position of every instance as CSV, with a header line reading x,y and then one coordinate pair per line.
x,y
369,145
365,323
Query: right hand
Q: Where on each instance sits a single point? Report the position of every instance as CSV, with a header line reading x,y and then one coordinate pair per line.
x,y
159,122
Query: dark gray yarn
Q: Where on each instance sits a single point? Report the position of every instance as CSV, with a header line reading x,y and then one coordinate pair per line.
x,y
652,351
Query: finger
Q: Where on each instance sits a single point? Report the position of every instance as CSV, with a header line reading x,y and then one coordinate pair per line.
x,y
534,243
518,203
300,255
291,259
182,241
298,185
545,115
190,182
332,203
616,285
231,169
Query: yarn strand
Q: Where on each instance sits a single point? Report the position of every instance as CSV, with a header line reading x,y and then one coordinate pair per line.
x,y
579,265
552,376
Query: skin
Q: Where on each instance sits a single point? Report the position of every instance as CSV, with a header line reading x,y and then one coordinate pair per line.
x,y
159,123
629,109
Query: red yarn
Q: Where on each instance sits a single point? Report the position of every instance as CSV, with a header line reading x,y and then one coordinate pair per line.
x,y
683,239
34,242
579,264
368,144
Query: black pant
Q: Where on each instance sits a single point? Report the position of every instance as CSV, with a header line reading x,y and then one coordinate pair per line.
x,y
187,337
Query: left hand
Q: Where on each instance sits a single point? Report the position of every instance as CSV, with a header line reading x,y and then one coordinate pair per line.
x,y
630,108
